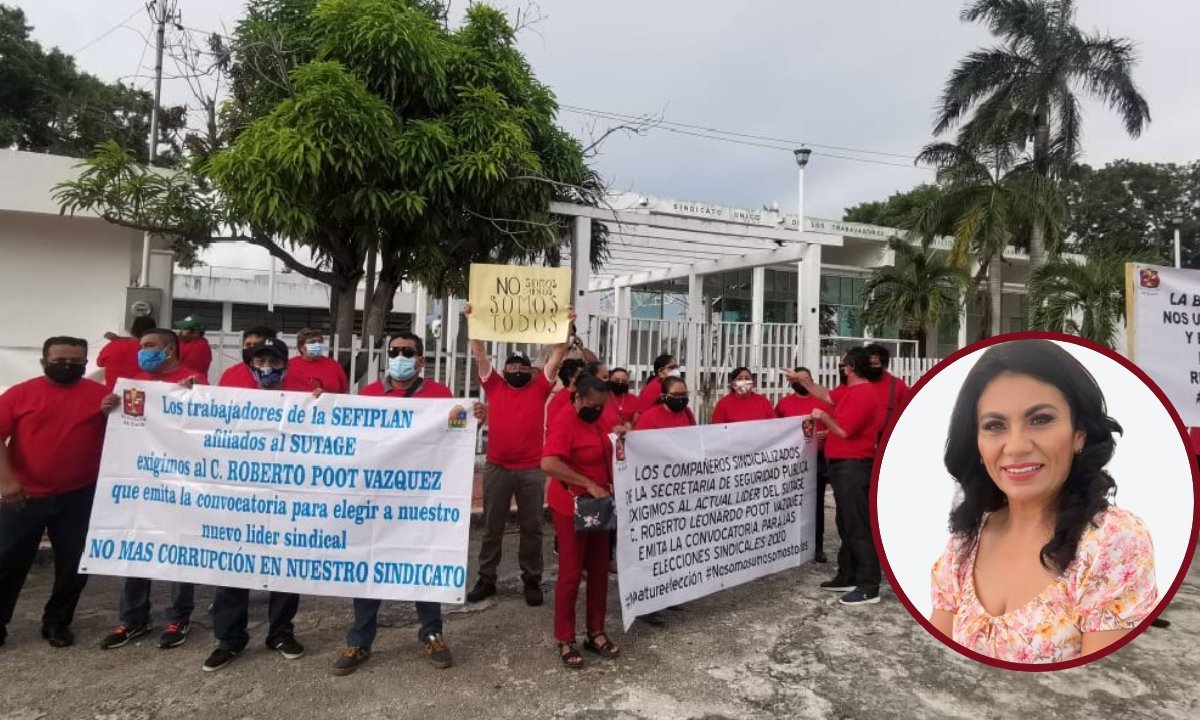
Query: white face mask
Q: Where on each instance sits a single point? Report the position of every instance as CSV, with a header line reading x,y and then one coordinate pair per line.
x,y
315,350
674,372
741,387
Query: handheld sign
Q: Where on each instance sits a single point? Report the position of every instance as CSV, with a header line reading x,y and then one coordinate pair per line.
x,y
1163,316
510,303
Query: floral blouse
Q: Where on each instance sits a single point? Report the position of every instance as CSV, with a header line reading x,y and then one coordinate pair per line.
x,y
1108,586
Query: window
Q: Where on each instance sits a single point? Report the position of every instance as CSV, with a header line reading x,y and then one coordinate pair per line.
x,y
845,296
207,312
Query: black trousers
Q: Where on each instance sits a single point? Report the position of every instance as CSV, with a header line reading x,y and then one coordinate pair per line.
x,y
857,562
231,614
65,517
822,483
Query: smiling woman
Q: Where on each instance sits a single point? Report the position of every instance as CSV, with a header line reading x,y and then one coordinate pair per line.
x,y
1040,567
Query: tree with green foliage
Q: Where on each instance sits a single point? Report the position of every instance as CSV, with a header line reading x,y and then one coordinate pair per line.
x,y
367,126
898,211
1025,90
921,290
1082,298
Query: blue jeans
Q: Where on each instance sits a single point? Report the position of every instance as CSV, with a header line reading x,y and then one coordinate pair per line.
x,y
366,621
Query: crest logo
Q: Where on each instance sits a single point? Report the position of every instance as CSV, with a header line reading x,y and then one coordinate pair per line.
x,y
457,419
1148,278
133,403
808,425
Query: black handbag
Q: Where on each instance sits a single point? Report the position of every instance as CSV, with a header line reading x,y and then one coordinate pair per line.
x,y
593,514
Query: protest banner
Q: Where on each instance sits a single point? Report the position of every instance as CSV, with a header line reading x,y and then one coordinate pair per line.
x,y
700,509
519,304
1163,332
338,495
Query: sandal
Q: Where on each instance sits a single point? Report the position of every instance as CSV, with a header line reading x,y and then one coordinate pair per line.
x,y
571,657
604,649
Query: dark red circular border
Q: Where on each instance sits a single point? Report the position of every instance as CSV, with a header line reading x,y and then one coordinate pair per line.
x,y
1162,603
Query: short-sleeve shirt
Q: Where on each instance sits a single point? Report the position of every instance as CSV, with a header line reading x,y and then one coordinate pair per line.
x,y
627,405
238,376
289,384
428,389
55,434
660,417
177,375
856,411
196,354
735,408
516,421
583,446
320,373
119,360
795,405
650,393
884,391
1110,585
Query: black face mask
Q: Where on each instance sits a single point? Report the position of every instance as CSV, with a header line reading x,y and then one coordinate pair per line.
x,y
799,389
618,388
590,414
517,379
842,377
874,374
65,373
675,404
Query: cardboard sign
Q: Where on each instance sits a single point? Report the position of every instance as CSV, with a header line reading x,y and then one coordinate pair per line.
x,y
510,303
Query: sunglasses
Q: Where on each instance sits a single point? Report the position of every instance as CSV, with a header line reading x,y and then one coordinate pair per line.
x,y
405,351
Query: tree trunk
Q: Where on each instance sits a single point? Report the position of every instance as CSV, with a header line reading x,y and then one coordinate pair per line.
x,y
375,322
1041,161
996,296
342,305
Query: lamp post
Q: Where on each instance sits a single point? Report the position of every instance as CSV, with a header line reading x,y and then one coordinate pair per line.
x,y
802,155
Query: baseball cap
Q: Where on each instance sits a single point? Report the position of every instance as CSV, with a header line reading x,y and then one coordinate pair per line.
x,y
190,323
269,346
519,359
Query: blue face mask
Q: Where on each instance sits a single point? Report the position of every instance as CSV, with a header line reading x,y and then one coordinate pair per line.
x,y
402,368
267,377
315,350
151,360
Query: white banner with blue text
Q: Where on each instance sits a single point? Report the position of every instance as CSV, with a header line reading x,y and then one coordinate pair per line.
x,y
701,509
337,495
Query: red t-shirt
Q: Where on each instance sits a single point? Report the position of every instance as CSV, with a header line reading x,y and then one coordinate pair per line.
x,y
610,417
428,389
516,421
742,408
660,417
55,434
649,394
196,354
586,448
856,411
324,373
558,401
177,375
795,405
627,405
289,384
238,376
883,390
119,360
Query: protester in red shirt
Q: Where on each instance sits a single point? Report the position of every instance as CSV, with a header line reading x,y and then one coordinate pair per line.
x,y
312,366
742,404
889,389
625,403
850,448
516,423
664,366
404,379
577,457
118,357
800,403
562,399
194,350
159,360
239,375
670,410
51,434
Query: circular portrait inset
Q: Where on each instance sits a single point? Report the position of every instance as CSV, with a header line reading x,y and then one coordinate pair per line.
x,y
1035,502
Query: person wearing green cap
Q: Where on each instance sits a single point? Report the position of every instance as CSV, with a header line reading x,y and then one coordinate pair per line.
x,y
194,351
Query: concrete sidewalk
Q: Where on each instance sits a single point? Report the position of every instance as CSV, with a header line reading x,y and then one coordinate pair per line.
x,y
776,648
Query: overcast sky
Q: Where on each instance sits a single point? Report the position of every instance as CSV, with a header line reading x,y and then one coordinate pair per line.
x,y
861,74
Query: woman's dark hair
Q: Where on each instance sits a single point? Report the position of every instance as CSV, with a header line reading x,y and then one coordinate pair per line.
x,y
142,325
587,384
569,369
738,371
661,362
1088,486
667,384
618,370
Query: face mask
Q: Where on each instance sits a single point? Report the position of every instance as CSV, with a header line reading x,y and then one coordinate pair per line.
x,y
590,414
618,388
842,376
517,379
267,377
742,387
675,404
402,368
674,372
799,389
874,374
65,373
151,360
315,350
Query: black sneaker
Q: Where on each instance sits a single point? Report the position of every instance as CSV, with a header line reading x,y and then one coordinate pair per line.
x,y
860,597
349,660
287,646
438,652
58,636
838,585
218,659
174,635
481,591
533,594
122,635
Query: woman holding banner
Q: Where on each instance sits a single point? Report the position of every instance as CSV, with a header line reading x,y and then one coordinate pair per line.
x,y
578,458
742,404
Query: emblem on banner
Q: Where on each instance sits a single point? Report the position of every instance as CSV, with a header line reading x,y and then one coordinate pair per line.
x,y
808,425
458,418
134,403
1148,278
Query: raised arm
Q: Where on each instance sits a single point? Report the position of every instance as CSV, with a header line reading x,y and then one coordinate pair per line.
x,y
554,362
479,351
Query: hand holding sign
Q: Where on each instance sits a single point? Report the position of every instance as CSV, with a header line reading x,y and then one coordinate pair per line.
x,y
519,304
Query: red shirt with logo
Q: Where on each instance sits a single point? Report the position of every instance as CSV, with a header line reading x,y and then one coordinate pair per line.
x,y
742,408
322,372
856,411
516,421
119,360
55,434
427,389
196,354
660,417
177,375
583,446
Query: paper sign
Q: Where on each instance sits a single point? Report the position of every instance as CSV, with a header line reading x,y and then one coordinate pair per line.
x,y
510,303
1163,311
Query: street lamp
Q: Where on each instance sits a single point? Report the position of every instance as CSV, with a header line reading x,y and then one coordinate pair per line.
x,y
802,156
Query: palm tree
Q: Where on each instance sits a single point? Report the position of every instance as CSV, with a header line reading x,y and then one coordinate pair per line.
x,y
921,290
1025,89
991,197
1082,298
